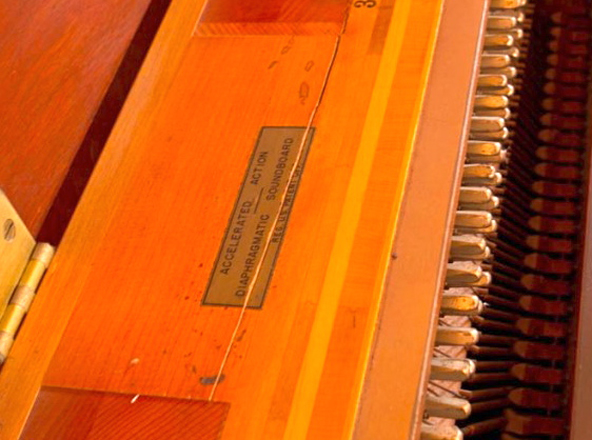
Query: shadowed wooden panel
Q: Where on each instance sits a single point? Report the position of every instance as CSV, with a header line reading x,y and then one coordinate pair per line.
x,y
66,414
57,59
227,17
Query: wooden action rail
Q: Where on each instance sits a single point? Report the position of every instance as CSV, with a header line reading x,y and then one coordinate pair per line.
x,y
118,340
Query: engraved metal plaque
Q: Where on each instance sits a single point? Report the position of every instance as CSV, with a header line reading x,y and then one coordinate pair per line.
x,y
257,205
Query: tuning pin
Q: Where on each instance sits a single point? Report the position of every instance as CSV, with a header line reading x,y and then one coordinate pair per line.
x,y
517,14
502,91
469,247
456,336
487,81
512,52
483,150
478,171
484,124
460,273
480,174
498,41
447,407
455,304
507,4
491,102
496,136
457,370
494,61
440,432
501,23
472,219
490,205
485,230
475,194
504,113
510,71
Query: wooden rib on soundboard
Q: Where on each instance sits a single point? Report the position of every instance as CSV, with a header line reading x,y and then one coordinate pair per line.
x,y
120,310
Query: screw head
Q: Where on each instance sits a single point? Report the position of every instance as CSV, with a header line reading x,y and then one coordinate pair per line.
x,y
9,230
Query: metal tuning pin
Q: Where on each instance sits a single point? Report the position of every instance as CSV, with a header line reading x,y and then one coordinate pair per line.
x,y
506,91
494,61
505,113
516,13
480,123
501,23
447,407
469,247
491,80
496,136
456,336
460,305
463,273
440,432
472,220
498,41
480,175
457,370
507,4
475,194
491,102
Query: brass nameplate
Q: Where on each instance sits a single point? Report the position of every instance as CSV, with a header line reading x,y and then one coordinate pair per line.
x,y
16,245
257,206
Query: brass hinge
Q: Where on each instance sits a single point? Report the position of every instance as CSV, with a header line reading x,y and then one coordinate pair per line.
x,y
22,265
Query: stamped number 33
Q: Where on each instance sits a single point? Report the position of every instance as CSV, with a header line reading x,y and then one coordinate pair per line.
x,y
366,3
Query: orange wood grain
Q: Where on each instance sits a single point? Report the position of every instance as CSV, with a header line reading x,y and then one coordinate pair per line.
x,y
58,59
120,309
225,17
65,414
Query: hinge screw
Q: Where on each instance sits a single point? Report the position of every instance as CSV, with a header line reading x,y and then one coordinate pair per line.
x,y
9,230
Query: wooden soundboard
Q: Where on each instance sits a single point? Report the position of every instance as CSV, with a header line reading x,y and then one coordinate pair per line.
x,y
120,344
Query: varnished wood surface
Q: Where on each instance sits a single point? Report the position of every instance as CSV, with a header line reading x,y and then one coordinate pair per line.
x,y
87,415
122,298
57,60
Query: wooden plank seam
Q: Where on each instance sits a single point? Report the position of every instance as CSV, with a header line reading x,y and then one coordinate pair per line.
x,y
268,238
